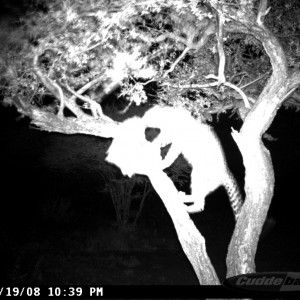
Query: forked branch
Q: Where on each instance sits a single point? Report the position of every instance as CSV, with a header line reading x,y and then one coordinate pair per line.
x,y
54,88
65,102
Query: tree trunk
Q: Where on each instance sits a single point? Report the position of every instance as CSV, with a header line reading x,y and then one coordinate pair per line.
x,y
259,177
192,242
259,191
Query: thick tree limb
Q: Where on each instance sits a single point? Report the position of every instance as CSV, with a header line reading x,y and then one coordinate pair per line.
x,y
50,122
259,177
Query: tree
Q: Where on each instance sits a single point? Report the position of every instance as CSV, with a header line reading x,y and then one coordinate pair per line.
x,y
208,56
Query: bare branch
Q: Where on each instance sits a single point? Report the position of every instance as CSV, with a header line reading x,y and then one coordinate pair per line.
x,y
86,87
84,125
288,94
111,87
89,49
181,56
262,11
209,85
222,58
231,85
243,73
191,86
55,89
95,107
255,80
294,79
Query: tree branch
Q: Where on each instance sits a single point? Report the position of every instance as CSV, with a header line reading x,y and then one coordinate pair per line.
x,y
55,89
259,176
181,56
222,58
81,123
95,107
149,39
262,11
88,125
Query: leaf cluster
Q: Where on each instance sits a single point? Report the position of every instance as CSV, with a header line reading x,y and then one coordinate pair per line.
x,y
141,43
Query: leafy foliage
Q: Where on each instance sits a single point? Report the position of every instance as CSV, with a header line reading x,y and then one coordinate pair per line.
x,y
139,43
286,27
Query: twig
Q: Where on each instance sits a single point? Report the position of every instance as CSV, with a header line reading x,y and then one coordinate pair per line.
x,y
221,75
184,52
247,104
239,74
54,88
95,107
90,48
255,80
86,87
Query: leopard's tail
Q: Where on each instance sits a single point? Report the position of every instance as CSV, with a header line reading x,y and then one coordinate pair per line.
x,y
234,194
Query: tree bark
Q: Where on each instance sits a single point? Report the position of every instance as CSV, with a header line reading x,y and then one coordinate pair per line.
x,y
259,177
259,191
192,242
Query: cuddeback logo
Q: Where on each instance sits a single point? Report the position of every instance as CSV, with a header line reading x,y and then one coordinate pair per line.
x,y
265,282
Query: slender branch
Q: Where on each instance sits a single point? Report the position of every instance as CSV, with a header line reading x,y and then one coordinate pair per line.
x,y
294,79
95,107
242,78
231,85
90,48
87,87
244,73
191,86
50,85
181,56
220,45
209,85
255,80
109,89
262,11
289,93
149,39
246,102
55,89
